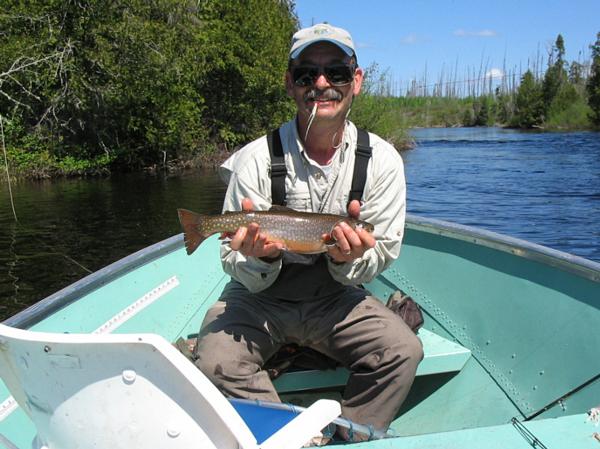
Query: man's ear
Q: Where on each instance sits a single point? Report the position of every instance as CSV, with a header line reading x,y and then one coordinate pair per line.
x,y
358,79
289,84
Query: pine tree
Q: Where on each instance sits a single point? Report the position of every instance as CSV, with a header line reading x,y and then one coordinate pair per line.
x,y
576,71
593,83
483,111
529,103
556,75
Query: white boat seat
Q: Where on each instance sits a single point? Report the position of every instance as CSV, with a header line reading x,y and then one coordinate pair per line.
x,y
440,356
130,391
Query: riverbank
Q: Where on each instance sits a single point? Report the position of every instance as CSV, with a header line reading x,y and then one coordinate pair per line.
x,y
24,165
387,114
392,118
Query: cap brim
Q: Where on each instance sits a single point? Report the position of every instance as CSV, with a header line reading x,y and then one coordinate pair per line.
x,y
296,52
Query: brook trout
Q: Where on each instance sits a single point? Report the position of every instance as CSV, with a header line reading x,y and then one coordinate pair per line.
x,y
300,232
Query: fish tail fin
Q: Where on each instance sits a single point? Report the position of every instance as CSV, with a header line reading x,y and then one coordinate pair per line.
x,y
193,235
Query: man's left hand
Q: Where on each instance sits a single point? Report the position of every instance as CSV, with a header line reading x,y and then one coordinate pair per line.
x,y
350,243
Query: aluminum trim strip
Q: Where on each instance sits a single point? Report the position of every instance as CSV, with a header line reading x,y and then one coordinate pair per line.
x,y
137,306
7,407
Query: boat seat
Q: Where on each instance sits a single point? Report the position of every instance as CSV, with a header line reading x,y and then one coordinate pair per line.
x,y
440,356
126,391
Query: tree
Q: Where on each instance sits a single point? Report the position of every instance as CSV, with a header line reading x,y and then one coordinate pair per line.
x,y
138,83
484,111
505,106
529,103
245,50
564,104
593,83
576,73
556,74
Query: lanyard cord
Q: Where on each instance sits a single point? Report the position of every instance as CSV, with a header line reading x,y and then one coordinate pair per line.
x,y
330,185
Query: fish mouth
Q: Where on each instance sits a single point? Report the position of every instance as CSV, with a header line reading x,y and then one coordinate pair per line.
x,y
366,226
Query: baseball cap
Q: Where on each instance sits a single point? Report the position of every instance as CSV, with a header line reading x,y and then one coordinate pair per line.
x,y
321,32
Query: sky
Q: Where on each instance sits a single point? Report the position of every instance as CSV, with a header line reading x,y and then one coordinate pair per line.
x,y
410,38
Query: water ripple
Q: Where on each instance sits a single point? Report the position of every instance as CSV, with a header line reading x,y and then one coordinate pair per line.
x,y
542,187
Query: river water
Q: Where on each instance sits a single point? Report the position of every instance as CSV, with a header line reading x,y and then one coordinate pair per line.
x,y
542,187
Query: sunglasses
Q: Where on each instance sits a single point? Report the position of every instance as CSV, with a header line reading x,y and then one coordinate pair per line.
x,y
337,74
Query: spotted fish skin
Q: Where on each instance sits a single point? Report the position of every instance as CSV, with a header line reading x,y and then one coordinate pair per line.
x,y
299,232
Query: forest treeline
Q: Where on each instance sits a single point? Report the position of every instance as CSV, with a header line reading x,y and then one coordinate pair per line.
x,y
88,86
564,96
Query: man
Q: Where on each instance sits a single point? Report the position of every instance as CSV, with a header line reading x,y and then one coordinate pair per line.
x,y
276,297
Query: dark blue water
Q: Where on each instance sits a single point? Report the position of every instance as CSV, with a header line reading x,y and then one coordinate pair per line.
x,y
542,187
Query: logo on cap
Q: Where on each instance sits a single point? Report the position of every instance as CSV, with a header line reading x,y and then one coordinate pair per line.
x,y
321,31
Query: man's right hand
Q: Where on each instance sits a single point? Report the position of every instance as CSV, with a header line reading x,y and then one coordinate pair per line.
x,y
252,243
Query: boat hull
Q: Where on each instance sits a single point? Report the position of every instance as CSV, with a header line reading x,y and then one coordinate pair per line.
x,y
526,317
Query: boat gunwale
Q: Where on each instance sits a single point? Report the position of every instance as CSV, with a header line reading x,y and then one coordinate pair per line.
x,y
521,248
517,247
71,293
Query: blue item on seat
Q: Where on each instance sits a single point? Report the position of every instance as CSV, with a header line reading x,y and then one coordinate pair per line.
x,y
262,420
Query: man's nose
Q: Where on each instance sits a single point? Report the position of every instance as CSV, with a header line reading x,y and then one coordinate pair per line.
x,y
321,81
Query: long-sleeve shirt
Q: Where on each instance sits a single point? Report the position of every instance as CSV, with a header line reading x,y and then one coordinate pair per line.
x,y
310,189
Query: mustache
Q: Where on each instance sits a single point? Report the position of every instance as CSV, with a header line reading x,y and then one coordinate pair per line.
x,y
327,94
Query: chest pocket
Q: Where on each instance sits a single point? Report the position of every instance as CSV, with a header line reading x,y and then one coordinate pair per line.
x,y
299,200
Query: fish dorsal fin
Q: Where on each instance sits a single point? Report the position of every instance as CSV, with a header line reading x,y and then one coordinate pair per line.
x,y
278,208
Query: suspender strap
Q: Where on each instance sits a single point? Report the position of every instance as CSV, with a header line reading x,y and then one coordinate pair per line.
x,y
278,170
361,161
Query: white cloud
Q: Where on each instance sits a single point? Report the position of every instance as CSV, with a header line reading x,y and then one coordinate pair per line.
x,y
486,33
481,33
494,73
409,39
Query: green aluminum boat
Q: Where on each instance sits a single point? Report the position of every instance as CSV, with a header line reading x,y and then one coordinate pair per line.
x,y
511,339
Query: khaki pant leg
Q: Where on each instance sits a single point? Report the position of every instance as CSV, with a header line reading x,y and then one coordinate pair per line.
x,y
381,352
232,347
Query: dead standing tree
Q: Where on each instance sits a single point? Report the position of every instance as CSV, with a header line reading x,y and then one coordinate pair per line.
x,y
17,83
18,86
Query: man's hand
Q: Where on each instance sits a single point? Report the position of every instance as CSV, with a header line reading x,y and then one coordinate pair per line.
x,y
350,243
252,243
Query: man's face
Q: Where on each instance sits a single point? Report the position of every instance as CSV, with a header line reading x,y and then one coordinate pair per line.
x,y
333,100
